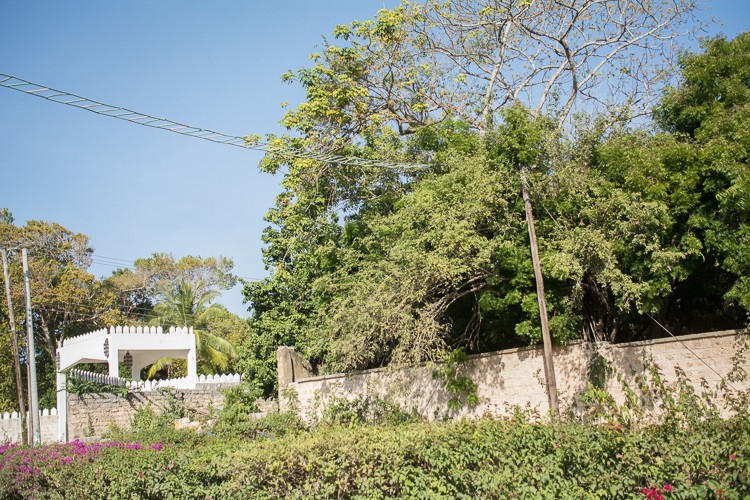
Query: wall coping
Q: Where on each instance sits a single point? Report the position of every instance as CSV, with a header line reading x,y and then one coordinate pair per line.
x,y
666,340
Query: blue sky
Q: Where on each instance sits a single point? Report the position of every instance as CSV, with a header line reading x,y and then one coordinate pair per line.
x,y
217,65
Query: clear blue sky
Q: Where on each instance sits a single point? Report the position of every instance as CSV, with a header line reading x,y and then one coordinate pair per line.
x,y
217,65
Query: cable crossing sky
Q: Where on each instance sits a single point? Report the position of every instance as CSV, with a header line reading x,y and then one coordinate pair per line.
x,y
77,101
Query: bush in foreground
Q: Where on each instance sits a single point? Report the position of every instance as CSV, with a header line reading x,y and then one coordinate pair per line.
x,y
488,458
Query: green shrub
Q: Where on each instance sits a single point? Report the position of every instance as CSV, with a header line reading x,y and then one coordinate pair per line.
x,y
489,458
369,448
272,426
364,410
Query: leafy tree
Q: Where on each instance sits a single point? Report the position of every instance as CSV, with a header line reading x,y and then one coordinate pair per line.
x,y
709,111
8,399
434,82
66,299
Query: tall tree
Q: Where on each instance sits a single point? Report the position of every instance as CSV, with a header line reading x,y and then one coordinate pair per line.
x,y
709,111
393,87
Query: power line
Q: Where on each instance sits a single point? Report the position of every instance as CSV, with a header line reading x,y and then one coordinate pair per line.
x,y
721,377
125,114
130,265
114,259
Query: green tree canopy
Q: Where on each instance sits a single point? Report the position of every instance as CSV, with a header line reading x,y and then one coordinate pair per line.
x,y
375,266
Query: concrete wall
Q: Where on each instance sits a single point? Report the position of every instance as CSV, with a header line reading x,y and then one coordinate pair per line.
x,y
10,426
515,377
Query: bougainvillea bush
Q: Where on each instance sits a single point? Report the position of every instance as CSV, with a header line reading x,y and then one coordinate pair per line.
x,y
489,458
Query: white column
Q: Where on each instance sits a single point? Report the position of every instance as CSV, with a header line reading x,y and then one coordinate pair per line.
x,y
114,363
192,368
62,408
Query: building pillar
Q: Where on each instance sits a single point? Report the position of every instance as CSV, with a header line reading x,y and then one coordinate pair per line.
x,y
192,367
114,362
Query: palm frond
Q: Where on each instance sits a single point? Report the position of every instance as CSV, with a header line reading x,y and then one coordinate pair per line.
x,y
159,365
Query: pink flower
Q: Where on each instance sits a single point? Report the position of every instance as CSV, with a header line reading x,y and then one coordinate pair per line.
x,y
732,458
668,488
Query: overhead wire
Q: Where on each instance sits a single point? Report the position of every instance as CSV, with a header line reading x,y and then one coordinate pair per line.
x,y
721,377
129,115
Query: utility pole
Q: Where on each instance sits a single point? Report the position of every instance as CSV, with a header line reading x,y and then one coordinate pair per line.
x,y
549,367
14,344
31,357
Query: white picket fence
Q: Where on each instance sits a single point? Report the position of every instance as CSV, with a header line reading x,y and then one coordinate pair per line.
x,y
151,385
47,412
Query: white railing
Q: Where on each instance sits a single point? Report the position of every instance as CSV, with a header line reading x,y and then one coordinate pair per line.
x,y
150,385
227,378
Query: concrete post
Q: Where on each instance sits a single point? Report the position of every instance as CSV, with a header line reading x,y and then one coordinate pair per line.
x,y
135,371
291,366
62,407
114,361
192,368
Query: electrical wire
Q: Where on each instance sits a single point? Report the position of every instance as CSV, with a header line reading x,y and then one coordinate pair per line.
x,y
721,377
114,259
125,114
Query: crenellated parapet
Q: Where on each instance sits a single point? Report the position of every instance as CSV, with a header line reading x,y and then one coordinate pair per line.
x,y
128,330
96,334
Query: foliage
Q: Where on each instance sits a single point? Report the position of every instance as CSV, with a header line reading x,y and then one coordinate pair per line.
x,y
636,227
486,458
162,272
188,303
273,426
365,410
150,425
709,111
8,403
463,389
239,402
367,448
79,386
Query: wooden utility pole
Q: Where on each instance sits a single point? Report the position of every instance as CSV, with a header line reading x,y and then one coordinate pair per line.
x,y
549,366
31,357
14,344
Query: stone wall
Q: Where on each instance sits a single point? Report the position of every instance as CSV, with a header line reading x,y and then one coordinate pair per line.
x,y
90,415
93,414
515,377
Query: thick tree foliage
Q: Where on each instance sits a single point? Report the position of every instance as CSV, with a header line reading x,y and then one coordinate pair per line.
x,y
370,267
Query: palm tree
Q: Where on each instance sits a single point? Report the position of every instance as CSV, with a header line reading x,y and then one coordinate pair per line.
x,y
189,304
